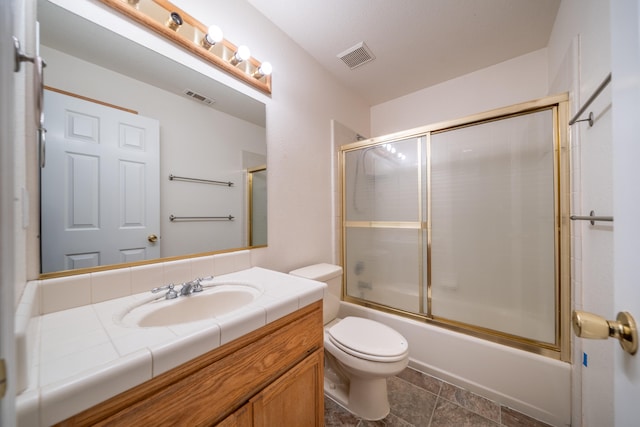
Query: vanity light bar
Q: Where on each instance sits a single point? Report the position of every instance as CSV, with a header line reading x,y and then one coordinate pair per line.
x,y
170,21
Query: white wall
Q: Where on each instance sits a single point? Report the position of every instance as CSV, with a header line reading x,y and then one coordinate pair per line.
x,y
579,59
518,80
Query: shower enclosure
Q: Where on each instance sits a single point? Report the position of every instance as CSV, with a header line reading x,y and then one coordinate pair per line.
x,y
465,224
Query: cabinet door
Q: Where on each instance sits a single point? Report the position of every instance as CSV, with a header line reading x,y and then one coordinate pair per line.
x,y
294,399
243,417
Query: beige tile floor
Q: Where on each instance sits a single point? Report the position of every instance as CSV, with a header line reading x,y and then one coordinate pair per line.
x,y
420,400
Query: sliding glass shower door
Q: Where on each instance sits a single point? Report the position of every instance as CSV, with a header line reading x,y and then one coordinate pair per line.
x,y
464,224
493,225
383,217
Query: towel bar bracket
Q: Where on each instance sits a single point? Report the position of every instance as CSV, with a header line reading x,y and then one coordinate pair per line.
x,y
592,218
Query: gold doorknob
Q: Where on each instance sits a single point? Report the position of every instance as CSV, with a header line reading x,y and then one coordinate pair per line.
x,y
152,238
589,325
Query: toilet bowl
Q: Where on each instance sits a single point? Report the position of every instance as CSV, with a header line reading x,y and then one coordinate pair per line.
x,y
360,354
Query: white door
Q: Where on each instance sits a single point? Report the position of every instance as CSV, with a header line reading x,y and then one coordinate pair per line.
x,y
625,39
100,186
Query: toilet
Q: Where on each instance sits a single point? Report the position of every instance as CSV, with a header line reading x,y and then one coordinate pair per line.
x,y
360,354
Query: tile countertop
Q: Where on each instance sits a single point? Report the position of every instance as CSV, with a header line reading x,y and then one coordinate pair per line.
x,y
84,356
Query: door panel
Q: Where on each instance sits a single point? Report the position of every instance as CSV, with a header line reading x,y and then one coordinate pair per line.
x,y
100,188
625,28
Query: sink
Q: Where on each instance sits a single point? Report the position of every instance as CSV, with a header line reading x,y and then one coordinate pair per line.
x,y
214,301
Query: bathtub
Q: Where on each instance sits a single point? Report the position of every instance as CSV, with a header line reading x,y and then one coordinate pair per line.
x,y
535,325
534,385
400,295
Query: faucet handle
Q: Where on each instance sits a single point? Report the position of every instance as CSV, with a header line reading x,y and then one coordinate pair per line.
x,y
171,293
161,288
197,285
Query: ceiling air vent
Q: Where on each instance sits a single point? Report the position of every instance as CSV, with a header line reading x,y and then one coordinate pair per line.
x,y
198,97
357,55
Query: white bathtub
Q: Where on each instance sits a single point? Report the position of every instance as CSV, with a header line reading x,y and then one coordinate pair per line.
x,y
536,325
402,296
534,385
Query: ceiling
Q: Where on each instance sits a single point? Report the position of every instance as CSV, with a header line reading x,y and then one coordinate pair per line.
x,y
416,43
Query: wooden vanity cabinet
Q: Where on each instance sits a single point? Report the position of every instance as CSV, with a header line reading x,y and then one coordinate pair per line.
x,y
270,377
291,400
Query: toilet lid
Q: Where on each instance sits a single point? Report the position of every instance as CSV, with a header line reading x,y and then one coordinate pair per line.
x,y
368,339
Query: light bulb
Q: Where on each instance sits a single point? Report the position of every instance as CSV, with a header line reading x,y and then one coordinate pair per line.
x,y
265,69
242,54
213,36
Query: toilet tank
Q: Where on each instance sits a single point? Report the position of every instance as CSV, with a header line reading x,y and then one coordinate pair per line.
x,y
332,276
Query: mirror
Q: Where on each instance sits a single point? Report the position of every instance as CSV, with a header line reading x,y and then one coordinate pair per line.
x,y
258,206
213,133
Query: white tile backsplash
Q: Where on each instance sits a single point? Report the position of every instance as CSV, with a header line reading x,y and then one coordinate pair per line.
x,y
63,293
177,271
110,284
74,291
203,266
146,277
232,261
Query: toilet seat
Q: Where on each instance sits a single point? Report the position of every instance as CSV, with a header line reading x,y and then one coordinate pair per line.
x,y
368,339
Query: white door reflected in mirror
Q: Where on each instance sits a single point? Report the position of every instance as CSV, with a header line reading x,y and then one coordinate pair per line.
x,y
100,187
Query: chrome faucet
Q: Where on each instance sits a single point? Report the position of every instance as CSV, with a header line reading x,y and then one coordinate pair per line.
x,y
189,288
186,289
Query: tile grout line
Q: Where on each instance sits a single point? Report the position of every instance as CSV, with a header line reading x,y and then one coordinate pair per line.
x,y
435,404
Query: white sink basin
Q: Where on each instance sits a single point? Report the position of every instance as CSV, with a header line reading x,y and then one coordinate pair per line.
x,y
214,301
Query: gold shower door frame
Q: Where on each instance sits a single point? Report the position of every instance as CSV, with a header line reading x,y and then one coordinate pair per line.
x,y
559,106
